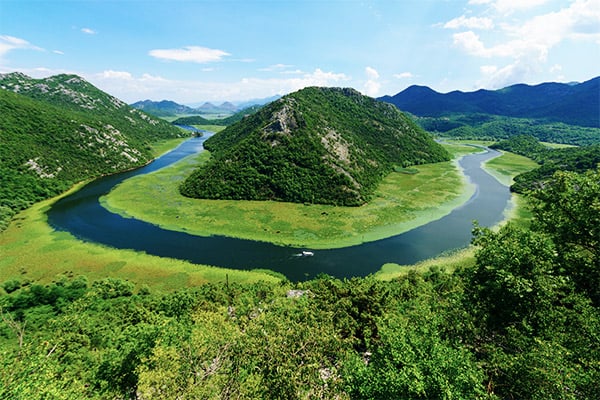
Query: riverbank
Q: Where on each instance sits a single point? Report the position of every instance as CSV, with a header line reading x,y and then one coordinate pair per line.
x,y
503,168
401,203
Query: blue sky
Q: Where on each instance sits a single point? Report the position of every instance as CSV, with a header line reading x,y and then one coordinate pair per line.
x,y
207,50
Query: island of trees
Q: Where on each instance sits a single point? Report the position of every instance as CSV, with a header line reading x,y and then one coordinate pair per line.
x,y
317,145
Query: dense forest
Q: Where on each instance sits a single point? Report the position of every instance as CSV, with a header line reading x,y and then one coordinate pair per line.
x,y
522,322
57,131
317,145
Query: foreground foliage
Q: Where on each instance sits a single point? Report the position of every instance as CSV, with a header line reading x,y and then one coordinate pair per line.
x,y
522,323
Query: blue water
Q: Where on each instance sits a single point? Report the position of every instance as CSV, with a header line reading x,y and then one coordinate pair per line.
x,y
83,216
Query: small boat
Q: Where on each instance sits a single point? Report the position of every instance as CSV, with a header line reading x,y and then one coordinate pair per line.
x,y
307,254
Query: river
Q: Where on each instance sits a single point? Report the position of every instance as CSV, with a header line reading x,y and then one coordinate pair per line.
x,y
82,215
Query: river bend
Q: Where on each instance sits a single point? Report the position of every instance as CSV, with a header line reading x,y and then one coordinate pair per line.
x,y
82,215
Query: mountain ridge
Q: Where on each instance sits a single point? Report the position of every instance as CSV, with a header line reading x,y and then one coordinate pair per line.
x,y
577,104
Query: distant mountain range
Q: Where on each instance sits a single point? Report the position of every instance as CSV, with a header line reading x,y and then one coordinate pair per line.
x,y
577,104
167,108
317,145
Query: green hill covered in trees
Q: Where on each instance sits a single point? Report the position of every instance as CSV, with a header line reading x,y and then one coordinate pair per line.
x,y
61,130
317,145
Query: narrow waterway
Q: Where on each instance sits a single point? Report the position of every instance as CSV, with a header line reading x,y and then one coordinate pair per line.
x,y
82,215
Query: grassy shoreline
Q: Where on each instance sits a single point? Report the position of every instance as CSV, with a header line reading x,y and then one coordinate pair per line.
x,y
401,203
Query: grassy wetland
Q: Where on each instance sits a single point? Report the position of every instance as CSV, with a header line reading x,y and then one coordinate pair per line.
x,y
402,201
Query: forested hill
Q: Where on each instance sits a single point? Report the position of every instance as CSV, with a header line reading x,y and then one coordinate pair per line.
x,y
60,130
317,145
162,108
575,104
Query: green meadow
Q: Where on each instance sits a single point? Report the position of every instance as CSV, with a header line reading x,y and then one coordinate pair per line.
x,y
504,168
402,202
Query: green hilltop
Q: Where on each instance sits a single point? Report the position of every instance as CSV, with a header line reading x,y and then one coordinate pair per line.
x,y
60,130
317,145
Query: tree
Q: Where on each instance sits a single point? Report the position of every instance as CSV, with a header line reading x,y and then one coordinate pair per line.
x,y
568,209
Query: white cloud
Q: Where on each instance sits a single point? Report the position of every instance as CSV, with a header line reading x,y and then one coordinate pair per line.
x,y
110,74
131,88
470,43
372,85
276,67
8,43
372,88
509,6
470,23
88,31
534,39
488,70
556,68
497,78
195,54
58,52
525,43
371,73
404,75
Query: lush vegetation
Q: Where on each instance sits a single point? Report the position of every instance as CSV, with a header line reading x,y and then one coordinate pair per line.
x,y
491,127
318,145
61,130
522,322
578,159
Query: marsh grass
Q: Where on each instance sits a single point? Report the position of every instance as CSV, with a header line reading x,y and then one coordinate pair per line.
x,y
448,262
32,251
401,203
507,166
165,146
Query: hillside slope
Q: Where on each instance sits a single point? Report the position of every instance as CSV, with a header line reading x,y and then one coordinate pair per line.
x,y
577,104
164,108
60,130
317,145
